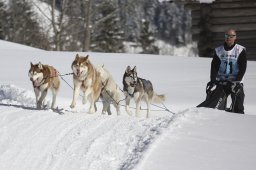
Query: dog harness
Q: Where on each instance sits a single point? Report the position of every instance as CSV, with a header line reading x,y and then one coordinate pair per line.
x,y
53,73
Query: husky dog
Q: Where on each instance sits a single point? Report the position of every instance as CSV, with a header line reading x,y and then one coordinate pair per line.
x,y
139,89
110,92
44,77
87,79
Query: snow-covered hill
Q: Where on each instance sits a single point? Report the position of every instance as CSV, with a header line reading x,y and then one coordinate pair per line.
x,y
190,139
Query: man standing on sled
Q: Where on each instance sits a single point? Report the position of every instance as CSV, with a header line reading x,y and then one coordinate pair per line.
x,y
227,70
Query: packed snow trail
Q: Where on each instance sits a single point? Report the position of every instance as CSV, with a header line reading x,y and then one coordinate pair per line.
x,y
46,140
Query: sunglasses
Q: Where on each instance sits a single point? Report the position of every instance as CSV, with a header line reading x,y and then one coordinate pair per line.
x,y
229,36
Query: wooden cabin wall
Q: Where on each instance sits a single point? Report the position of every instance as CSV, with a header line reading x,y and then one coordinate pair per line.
x,y
210,21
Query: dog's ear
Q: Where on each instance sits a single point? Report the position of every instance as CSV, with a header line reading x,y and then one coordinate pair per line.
x,y
86,58
40,66
128,69
134,69
77,57
31,64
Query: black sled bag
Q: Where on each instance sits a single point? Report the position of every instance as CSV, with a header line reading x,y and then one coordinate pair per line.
x,y
215,99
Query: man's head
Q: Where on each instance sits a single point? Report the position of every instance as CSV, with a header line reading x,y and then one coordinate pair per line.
x,y
230,37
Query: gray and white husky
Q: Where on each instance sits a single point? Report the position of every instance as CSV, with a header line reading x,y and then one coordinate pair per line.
x,y
139,89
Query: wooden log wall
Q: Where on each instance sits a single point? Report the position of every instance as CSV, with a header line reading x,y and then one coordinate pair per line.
x,y
210,21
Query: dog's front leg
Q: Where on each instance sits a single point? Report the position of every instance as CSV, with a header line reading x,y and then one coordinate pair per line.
x,y
127,103
84,99
37,94
137,108
76,91
93,107
54,94
41,99
148,101
137,98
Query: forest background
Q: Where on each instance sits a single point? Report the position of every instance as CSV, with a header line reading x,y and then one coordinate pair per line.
x,y
128,26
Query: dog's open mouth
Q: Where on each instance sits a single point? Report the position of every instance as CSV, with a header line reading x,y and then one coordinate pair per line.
x,y
78,73
132,84
36,83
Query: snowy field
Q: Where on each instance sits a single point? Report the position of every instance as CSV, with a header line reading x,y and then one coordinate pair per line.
x,y
192,138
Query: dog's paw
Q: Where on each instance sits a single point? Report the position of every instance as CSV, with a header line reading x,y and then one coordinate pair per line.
x,y
72,106
39,105
92,110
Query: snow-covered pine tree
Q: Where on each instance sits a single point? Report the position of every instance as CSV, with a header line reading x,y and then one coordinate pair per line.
x,y
107,35
147,39
22,25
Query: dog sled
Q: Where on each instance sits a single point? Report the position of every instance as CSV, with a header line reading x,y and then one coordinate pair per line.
x,y
217,98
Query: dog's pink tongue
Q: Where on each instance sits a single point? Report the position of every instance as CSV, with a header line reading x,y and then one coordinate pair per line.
x,y
35,83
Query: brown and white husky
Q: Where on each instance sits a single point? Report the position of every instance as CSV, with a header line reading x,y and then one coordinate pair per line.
x,y
87,79
44,77
139,89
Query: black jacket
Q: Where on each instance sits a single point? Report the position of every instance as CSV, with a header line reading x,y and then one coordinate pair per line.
x,y
242,64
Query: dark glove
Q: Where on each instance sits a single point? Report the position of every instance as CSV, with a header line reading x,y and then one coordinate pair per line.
x,y
210,86
235,87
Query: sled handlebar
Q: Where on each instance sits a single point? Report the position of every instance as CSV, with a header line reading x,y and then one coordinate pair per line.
x,y
224,82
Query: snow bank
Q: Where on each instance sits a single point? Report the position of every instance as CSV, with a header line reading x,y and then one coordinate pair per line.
x,y
10,94
6,45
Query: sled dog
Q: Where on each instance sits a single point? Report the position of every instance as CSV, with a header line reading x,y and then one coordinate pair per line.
x,y
87,79
139,89
110,92
44,77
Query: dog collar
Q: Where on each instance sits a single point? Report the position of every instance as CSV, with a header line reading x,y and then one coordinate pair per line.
x,y
40,84
131,94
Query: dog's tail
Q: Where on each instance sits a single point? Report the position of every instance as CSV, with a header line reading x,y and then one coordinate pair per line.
x,y
158,98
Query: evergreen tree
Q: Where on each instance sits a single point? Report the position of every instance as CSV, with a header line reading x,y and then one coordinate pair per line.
x,y
173,23
22,25
2,19
147,39
107,35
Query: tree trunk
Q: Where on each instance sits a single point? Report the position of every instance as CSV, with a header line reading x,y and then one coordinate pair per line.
x,y
87,33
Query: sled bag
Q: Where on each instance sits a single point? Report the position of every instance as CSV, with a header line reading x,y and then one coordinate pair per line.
x,y
215,99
